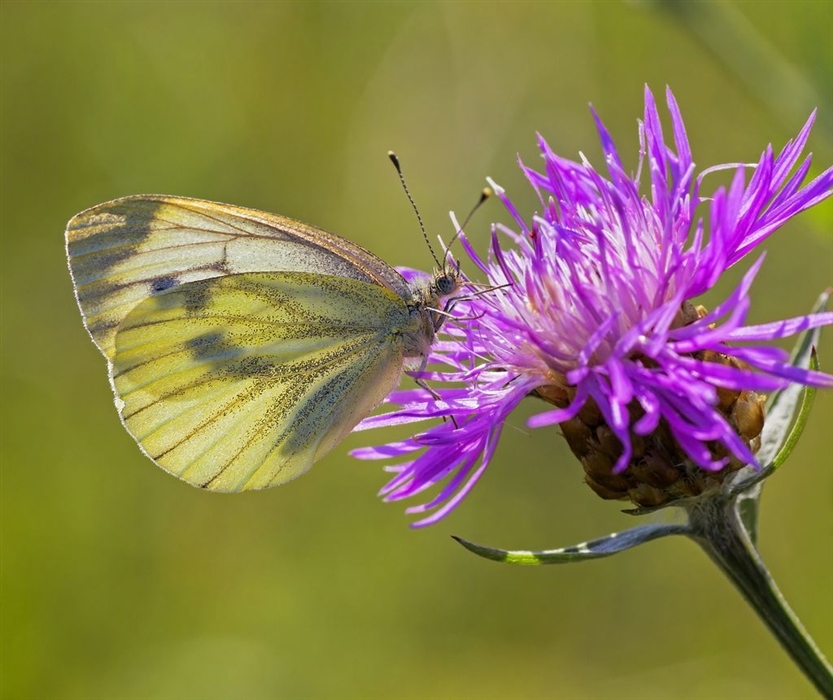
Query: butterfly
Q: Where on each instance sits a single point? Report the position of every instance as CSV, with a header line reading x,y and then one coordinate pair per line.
x,y
242,346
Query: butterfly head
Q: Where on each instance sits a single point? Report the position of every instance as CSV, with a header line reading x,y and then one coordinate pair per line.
x,y
447,280
445,283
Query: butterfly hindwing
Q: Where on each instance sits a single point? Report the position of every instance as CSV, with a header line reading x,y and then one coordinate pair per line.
x,y
242,381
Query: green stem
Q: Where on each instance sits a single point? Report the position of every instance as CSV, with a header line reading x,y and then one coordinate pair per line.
x,y
717,528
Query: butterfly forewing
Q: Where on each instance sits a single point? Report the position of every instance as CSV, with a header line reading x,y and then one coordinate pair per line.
x,y
242,381
123,251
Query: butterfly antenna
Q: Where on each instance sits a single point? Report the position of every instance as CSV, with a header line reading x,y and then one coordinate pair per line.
x,y
395,160
484,195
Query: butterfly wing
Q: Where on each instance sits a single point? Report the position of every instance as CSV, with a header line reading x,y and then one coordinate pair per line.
x,y
243,381
123,251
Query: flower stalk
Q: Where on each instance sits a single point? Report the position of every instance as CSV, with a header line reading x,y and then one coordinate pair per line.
x,y
717,527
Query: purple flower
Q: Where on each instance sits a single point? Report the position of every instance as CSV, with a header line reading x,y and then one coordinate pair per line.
x,y
589,306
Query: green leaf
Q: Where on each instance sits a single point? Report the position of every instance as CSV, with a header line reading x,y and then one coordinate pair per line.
x,y
807,397
594,549
786,412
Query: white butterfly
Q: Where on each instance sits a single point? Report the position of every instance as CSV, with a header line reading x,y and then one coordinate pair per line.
x,y
242,346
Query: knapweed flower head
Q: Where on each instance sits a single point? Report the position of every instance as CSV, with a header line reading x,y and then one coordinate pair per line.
x,y
590,305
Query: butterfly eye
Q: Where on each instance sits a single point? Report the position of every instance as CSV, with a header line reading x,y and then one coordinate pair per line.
x,y
446,284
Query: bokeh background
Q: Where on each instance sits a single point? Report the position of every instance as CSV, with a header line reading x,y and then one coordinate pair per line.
x,y
118,581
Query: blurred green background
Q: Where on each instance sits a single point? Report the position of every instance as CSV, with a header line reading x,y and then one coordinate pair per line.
x,y
118,581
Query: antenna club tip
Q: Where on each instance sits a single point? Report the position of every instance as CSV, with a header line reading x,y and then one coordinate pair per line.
x,y
487,192
497,189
